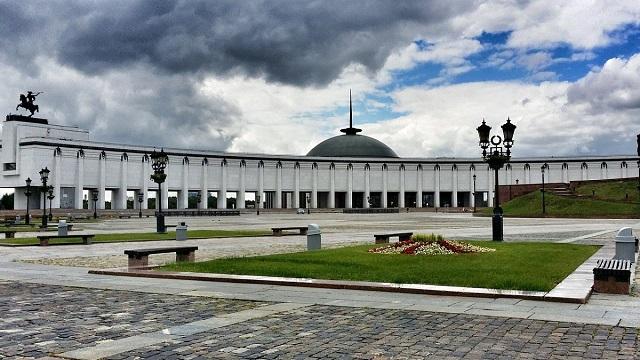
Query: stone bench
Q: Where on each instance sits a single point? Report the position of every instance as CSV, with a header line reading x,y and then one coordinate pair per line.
x,y
140,257
9,234
384,238
86,238
122,216
278,231
612,276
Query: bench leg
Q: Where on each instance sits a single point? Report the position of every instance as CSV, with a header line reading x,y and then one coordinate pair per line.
x,y
44,242
136,262
404,237
10,235
86,240
277,232
304,231
382,240
189,256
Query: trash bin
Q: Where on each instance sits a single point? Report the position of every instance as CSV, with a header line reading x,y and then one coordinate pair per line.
x,y
62,228
18,219
181,231
625,244
313,237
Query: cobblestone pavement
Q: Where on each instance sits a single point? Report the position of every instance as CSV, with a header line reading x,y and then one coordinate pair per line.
x,y
43,320
40,319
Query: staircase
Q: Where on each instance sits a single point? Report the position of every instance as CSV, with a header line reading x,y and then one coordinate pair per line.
x,y
561,190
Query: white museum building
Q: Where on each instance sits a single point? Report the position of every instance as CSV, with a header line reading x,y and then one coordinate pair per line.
x,y
345,171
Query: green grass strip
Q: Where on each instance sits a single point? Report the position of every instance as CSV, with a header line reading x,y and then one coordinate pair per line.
x,y
520,266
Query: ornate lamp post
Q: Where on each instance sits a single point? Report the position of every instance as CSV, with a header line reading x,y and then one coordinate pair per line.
x,y
308,205
474,192
44,175
50,196
159,162
94,197
257,204
638,167
27,193
140,200
496,158
543,202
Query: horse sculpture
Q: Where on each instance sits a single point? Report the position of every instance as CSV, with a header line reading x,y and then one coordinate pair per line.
x,y
26,102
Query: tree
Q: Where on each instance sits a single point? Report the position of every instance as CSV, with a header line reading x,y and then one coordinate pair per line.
x,y
6,202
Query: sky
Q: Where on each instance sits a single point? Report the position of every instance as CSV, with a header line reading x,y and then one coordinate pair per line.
x,y
274,76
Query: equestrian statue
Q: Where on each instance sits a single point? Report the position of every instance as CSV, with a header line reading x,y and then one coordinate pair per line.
x,y
26,102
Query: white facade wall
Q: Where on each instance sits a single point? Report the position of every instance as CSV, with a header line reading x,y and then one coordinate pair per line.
x,y
78,164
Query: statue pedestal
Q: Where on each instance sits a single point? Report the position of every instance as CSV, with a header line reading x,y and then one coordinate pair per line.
x,y
22,118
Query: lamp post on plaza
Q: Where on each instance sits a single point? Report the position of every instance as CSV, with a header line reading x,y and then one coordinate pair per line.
x,y
198,201
257,204
638,139
140,200
50,197
308,205
542,190
159,162
27,193
94,197
474,192
496,157
44,175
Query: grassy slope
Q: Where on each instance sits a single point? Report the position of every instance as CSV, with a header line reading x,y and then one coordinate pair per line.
x,y
522,266
147,236
531,205
614,190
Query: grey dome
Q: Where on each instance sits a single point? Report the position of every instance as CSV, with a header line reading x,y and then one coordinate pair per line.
x,y
352,145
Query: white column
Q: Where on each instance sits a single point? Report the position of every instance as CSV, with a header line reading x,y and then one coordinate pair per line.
x,y
183,198
385,179
57,178
222,194
242,186
491,187
278,185
419,174
527,175
401,195
367,186
79,180
102,168
144,182
454,186
472,197
165,187
436,182
204,184
314,186
332,186
623,170
122,190
349,202
261,184
296,186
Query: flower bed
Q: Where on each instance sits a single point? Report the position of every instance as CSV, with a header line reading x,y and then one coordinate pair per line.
x,y
429,245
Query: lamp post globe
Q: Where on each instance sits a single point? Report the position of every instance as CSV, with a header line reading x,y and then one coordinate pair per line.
x,y
44,176
27,194
498,154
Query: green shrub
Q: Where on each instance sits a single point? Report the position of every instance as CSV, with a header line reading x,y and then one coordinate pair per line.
x,y
427,237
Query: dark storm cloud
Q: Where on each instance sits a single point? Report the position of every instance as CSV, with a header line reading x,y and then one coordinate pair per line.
x,y
294,42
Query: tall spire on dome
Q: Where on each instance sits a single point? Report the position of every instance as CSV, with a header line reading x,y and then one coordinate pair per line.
x,y
350,130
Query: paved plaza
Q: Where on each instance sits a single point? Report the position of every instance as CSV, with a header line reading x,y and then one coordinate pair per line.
x,y
52,307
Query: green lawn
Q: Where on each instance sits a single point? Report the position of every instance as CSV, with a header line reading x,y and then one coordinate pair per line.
x,y
615,190
521,266
124,237
531,205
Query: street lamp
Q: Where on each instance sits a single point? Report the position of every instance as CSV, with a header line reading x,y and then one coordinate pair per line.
x,y
94,197
27,193
198,201
50,197
44,175
257,204
474,192
308,204
638,167
543,203
140,200
159,162
496,158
